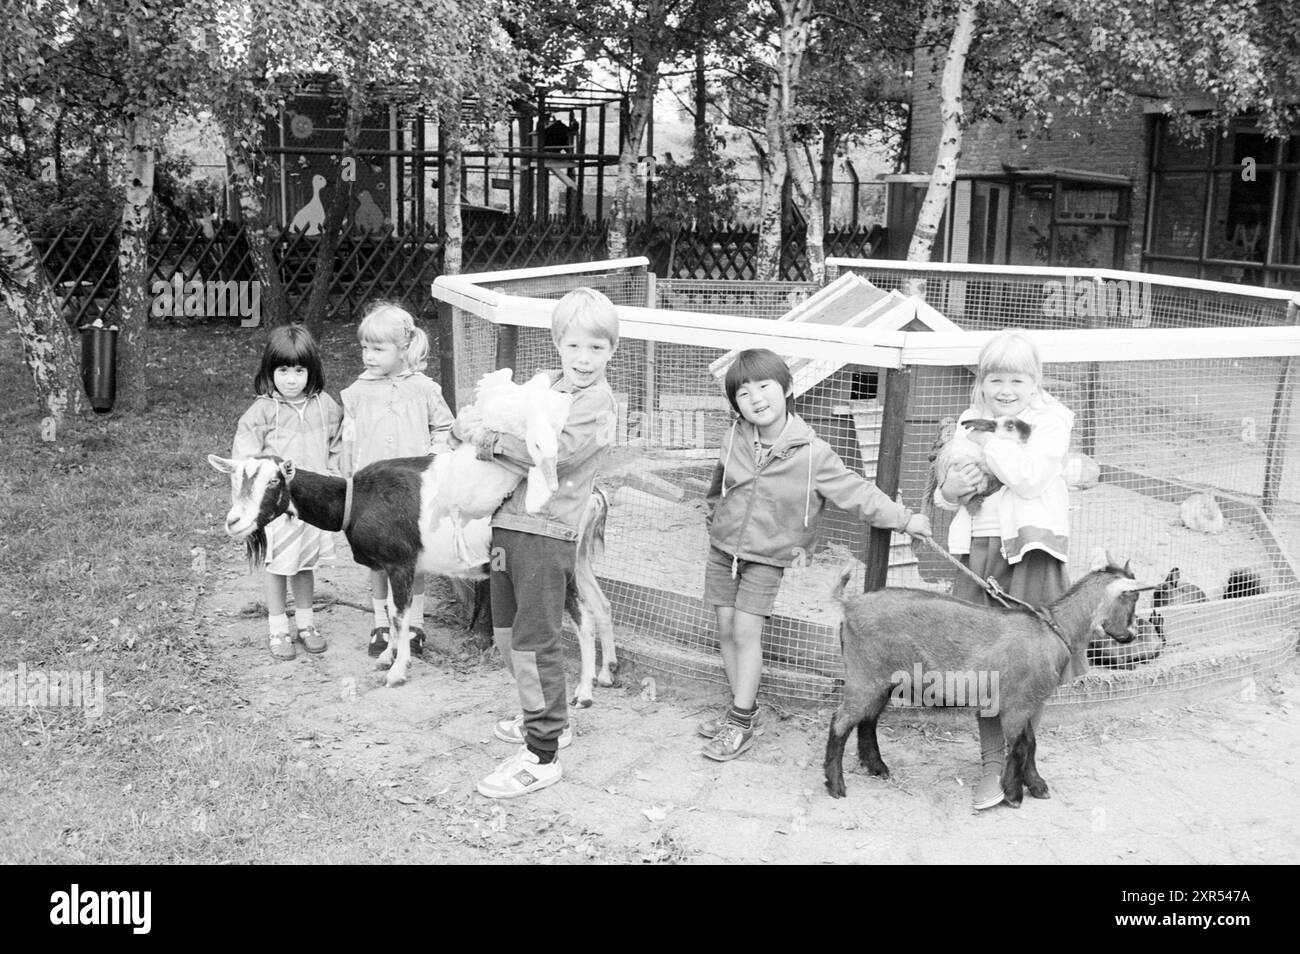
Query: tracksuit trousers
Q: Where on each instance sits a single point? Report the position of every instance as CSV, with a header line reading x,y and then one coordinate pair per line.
x,y
530,577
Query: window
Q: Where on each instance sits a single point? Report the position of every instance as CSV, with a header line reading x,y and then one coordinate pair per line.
x,y
1213,202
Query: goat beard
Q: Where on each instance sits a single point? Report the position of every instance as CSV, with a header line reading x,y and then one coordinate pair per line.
x,y
255,548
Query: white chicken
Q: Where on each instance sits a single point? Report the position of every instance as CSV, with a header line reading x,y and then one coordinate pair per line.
x,y
954,448
470,488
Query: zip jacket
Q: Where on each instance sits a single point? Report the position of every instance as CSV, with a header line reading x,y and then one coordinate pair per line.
x,y
767,510
1033,506
587,434
309,433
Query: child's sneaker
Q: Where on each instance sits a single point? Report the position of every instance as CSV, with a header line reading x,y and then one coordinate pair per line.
x,y
711,727
311,639
378,641
520,774
281,646
730,741
512,730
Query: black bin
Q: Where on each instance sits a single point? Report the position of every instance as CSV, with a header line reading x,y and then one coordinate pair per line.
x,y
99,365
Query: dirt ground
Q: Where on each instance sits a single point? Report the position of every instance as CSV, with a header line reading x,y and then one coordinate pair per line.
x,y
1211,782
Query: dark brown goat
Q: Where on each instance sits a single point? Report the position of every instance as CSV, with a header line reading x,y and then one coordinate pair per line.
x,y
892,632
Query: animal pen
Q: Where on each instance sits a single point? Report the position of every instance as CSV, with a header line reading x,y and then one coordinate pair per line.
x,y
1184,445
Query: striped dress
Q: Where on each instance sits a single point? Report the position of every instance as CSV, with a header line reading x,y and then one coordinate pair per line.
x,y
309,433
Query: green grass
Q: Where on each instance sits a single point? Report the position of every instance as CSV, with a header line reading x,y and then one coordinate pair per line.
x,y
100,570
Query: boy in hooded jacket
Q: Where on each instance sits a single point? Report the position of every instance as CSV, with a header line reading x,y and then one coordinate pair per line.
x,y
766,499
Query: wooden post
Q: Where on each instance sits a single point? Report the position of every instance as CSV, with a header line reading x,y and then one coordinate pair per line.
x,y
898,389
1274,452
507,346
648,392
1087,417
447,353
600,172
543,182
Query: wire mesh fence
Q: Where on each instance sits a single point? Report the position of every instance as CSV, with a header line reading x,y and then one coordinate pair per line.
x,y
1183,460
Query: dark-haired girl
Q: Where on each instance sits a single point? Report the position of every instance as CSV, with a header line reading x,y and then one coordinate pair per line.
x,y
295,419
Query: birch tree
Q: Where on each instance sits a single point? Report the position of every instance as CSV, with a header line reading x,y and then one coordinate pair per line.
x,y
428,52
251,55
1038,61
641,42
25,294
950,110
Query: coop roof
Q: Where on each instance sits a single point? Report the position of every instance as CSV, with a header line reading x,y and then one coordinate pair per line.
x,y
849,302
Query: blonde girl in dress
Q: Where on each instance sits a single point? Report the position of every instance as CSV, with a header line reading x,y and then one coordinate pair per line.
x,y
393,410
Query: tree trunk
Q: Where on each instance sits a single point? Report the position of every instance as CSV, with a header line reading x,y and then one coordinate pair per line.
x,y
48,344
339,204
701,94
826,192
773,163
257,230
644,84
945,161
133,268
801,176
453,145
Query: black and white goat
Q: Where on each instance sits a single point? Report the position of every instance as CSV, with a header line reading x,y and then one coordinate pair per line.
x,y
393,520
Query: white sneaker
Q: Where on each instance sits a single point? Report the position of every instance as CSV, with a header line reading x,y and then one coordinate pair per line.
x,y
512,730
519,775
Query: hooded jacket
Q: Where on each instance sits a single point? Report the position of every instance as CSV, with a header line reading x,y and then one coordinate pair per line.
x,y
767,511
1033,507
588,433
309,433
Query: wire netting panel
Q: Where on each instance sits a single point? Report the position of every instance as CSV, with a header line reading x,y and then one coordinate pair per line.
x,y
475,340
1186,464
980,301
1186,468
749,299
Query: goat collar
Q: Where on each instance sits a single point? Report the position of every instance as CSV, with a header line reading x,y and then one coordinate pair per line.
x,y
347,505
1003,596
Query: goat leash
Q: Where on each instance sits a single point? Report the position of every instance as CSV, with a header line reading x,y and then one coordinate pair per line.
x,y
991,587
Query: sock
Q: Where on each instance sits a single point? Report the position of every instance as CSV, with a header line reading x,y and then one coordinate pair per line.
x,y
416,614
381,612
278,625
302,618
742,717
543,758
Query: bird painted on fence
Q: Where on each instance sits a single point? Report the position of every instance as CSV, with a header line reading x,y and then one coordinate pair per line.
x,y
311,217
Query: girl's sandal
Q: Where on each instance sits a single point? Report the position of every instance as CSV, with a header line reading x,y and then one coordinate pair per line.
x,y
311,639
281,646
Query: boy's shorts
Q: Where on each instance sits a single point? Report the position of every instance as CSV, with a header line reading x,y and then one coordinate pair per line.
x,y
752,590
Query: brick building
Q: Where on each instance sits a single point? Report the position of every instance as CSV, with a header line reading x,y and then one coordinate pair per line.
x,y
1130,195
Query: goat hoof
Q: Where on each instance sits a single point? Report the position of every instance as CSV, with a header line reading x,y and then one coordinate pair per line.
x,y
880,770
835,788
1039,790
393,680
579,701
1012,802
605,681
